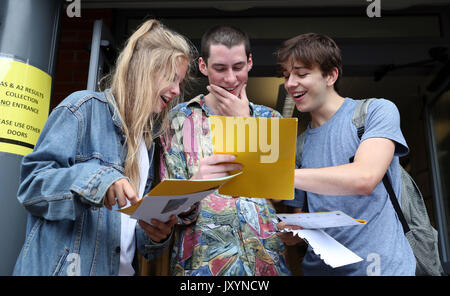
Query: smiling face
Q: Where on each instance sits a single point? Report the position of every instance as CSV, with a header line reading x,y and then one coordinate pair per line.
x,y
227,67
172,90
308,87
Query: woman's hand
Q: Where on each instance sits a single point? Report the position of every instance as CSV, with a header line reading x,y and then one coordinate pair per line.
x,y
122,191
216,166
159,231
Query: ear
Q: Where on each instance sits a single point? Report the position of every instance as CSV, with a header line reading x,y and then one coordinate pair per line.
x,y
332,76
202,66
250,62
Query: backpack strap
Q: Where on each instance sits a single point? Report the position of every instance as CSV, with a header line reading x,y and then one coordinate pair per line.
x,y
359,119
299,150
360,114
394,200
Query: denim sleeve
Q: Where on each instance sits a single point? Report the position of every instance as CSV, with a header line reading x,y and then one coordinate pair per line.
x,y
52,184
148,248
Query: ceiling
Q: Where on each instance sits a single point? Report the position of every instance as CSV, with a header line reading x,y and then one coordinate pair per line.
x,y
361,58
246,4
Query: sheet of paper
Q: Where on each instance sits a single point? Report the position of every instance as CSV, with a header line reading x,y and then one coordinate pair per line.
x,y
327,248
266,149
173,196
162,207
170,187
319,220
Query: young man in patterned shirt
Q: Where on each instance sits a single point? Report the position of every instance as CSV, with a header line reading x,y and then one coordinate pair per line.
x,y
232,235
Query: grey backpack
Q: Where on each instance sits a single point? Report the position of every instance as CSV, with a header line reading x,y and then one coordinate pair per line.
x,y
412,213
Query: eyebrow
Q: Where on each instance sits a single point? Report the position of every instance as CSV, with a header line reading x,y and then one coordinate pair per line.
x,y
224,65
294,68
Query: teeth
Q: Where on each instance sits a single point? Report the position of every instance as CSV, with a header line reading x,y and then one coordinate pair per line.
x,y
166,100
297,95
229,88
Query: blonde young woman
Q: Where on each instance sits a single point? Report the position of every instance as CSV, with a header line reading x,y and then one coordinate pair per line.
x,y
96,152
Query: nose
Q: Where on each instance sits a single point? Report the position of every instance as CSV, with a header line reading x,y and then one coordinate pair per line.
x,y
290,82
175,90
230,76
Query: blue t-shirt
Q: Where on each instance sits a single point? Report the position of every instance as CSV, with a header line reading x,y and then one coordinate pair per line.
x,y
381,242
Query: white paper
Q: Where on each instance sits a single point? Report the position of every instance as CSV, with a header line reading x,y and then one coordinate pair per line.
x,y
327,248
319,220
162,207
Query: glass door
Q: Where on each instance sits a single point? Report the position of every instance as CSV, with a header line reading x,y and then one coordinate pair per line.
x,y
437,118
102,55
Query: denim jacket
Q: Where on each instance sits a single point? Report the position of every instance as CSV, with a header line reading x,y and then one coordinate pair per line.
x,y
63,182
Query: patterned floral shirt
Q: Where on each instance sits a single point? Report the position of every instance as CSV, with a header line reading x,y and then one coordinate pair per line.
x,y
232,235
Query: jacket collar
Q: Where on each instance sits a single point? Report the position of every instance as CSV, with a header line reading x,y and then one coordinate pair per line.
x,y
115,115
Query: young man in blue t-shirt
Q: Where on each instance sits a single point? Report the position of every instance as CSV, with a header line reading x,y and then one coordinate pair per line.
x,y
327,180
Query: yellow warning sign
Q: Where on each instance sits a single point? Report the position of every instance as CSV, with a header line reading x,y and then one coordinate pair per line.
x,y
24,105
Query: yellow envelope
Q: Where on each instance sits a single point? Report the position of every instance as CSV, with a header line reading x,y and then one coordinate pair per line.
x,y
266,149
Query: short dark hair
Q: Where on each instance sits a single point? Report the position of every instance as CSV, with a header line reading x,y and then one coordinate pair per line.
x,y
311,50
225,35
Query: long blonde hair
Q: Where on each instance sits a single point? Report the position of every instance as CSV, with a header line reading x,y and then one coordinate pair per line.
x,y
146,65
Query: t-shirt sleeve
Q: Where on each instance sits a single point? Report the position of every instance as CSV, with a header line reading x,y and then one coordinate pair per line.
x,y
383,121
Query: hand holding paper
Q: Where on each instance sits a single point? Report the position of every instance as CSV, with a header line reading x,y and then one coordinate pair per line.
x,y
122,192
159,231
216,166
287,236
311,224
172,197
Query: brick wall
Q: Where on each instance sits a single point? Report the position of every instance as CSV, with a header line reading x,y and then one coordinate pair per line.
x,y
73,53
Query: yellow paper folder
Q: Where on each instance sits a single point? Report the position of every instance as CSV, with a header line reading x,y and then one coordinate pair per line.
x,y
266,149
169,189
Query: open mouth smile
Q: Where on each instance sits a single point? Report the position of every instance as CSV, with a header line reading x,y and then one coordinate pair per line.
x,y
229,89
165,100
297,96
